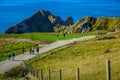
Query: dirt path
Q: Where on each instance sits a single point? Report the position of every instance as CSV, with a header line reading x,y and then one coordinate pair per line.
x,y
9,64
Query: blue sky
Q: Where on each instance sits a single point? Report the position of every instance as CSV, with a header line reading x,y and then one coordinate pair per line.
x,y
23,2
14,11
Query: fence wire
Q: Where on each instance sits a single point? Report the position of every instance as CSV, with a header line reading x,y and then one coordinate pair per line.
x,y
93,72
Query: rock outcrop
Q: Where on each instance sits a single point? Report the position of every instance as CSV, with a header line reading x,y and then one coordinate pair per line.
x,y
41,21
69,21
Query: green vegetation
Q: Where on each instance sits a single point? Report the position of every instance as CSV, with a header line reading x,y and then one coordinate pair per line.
x,y
17,73
44,36
14,42
90,56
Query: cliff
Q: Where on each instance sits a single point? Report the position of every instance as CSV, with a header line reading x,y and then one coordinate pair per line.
x,y
41,21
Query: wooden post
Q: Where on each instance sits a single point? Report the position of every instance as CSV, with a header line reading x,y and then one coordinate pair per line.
x,y
33,73
49,75
77,74
108,71
24,65
41,74
60,75
37,74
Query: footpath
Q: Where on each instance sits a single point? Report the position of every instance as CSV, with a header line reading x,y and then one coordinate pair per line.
x,y
9,64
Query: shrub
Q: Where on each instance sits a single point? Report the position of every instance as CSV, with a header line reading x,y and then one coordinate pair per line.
x,y
16,73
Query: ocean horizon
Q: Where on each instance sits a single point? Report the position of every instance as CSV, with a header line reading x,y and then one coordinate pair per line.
x,y
13,12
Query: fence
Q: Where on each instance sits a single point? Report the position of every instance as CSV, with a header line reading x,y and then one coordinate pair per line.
x,y
100,72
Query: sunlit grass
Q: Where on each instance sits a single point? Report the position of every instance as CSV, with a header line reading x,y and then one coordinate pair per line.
x,y
90,56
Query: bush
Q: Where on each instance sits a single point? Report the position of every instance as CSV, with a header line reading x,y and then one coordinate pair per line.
x,y
16,73
106,51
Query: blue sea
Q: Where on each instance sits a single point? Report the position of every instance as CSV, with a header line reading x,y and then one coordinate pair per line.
x,y
13,11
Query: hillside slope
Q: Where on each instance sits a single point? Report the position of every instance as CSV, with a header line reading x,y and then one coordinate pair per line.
x,y
90,56
91,23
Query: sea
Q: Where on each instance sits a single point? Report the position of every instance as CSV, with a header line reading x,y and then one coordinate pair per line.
x,y
11,14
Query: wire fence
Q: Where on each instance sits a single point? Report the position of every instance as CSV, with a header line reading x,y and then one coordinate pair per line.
x,y
105,71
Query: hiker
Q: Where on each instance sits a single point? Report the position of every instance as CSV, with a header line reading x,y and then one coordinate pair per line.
x,y
9,55
57,35
13,55
37,49
64,34
32,50
23,49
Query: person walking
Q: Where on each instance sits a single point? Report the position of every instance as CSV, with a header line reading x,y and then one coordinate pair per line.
x,y
32,50
13,56
57,35
23,50
64,34
37,49
9,55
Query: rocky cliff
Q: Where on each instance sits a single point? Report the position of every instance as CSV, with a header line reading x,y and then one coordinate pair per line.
x,y
91,23
41,21
69,21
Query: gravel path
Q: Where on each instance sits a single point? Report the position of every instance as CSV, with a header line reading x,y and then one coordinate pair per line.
x,y
9,64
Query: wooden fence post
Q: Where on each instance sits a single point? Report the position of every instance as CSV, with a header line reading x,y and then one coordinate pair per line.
x,y
24,64
37,74
77,74
108,70
49,75
33,73
41,74
60,75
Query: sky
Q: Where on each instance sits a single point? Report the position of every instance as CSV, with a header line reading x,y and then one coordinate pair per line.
x,y
14,11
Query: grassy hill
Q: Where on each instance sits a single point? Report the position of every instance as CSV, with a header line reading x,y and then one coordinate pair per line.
x,y
108,23
88,23
14,42
90,56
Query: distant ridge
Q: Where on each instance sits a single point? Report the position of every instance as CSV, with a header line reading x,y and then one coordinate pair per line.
x,y
41,21
89,23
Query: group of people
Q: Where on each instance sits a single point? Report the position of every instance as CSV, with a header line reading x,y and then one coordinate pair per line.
x,y
32,50
64,34
12,55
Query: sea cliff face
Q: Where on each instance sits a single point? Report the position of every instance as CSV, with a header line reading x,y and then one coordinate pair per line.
x,y
41,21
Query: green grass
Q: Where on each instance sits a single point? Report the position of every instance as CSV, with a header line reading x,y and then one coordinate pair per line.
x,y
14,42
90,56
44,36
